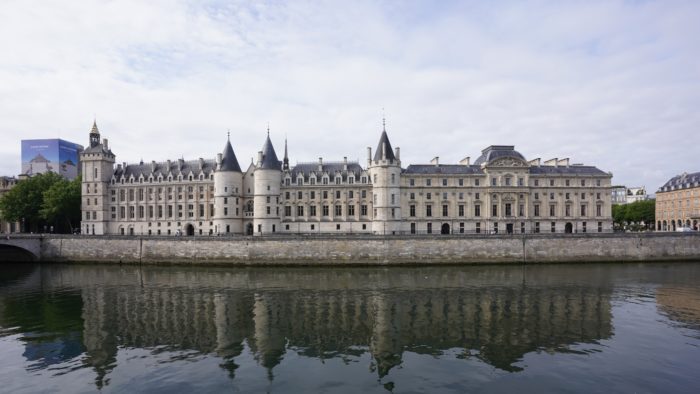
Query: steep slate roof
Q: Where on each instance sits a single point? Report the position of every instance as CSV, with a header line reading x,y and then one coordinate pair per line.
x,y
494,152
229,161
682,181
162,169
562,170
270,160
449,169
305,169
388,153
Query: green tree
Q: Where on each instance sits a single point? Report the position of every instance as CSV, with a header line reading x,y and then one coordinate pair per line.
x,y
23,202
61,205
619,212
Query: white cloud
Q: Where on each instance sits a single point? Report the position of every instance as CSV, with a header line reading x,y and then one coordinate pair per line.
x,y
614,84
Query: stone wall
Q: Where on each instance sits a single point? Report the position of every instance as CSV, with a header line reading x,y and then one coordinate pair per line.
x,y
375,250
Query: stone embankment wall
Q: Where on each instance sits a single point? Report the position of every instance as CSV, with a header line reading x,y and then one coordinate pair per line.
x,y
375,250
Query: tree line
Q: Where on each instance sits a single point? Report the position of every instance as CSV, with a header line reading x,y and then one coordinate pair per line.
x,y
43,202
636,216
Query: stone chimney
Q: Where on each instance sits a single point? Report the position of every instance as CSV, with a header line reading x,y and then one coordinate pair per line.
x,y
104,143
345,163
320,164
465,161
436,161
397,153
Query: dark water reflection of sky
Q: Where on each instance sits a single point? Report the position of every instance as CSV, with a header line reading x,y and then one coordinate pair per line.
x,y
564,328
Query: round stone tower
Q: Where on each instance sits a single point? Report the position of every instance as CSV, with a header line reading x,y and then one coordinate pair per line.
x,y
228,190
267,181
385,172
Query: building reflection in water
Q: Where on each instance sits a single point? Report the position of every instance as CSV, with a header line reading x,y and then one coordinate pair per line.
x,y
495,314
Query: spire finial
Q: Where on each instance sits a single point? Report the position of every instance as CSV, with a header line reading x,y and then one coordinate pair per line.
x,y
383,120
268,129
228,134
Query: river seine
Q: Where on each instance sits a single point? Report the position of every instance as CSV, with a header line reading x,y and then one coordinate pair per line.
x,y
587,328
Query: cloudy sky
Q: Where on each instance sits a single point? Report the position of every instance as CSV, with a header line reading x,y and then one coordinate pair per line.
x,y
612,84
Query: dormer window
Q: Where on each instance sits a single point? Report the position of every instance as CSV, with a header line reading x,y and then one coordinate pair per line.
x,y
338,180
325,180
300,181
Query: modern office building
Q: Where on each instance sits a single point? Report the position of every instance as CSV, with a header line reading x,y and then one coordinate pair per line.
x,y
51,155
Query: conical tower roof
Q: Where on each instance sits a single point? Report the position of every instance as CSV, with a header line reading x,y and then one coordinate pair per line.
x,y
229,161
384,149
269,160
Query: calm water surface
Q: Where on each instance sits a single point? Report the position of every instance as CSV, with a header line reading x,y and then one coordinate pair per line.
x,y
564,328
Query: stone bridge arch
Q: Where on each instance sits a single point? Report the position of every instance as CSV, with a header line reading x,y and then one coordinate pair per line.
x,y
20,248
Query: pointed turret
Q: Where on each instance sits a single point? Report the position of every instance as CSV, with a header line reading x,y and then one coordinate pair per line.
x,y
384,151
269,159
228,160
94,135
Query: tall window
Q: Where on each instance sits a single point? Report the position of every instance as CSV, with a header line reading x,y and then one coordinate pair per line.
x,y
412,210
444,210
494,210
428,210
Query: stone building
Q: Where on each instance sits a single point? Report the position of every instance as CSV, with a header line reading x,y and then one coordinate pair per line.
x,y
678,203
501,192
7,183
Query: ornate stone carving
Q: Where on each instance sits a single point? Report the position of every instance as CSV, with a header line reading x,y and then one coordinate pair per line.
x,y
507,162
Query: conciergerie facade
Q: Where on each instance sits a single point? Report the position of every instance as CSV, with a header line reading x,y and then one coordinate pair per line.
x,y
500,192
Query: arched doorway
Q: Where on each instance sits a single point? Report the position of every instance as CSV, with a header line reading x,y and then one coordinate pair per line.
x,y
445,229
249,229
569,228
189,230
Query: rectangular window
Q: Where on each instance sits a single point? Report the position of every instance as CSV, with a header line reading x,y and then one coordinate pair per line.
x,y
444,210
567,210
507,181
554,227
428,196
413,228
461,182
428,210
430,228
286,196
600,227
537,182
476,182
551,182
312,210
444,181
537,210
412,210
300,210
493,181
427,182
411,182
337,194
160,210
351,210
287,211
363,210
495,228
521,181
494,210
338,210
350,194
567,182
583,210
444,196
583,182
521,210
325,194
413,196
312,195
599,210
461,210
461,228
476,196
584,226
325,210
537,227
508,210
461,195
477,210
201,211
363,194
478,228
131,212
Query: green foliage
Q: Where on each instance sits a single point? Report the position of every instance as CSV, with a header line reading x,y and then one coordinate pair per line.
x,y
637,216
43,199
62,203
